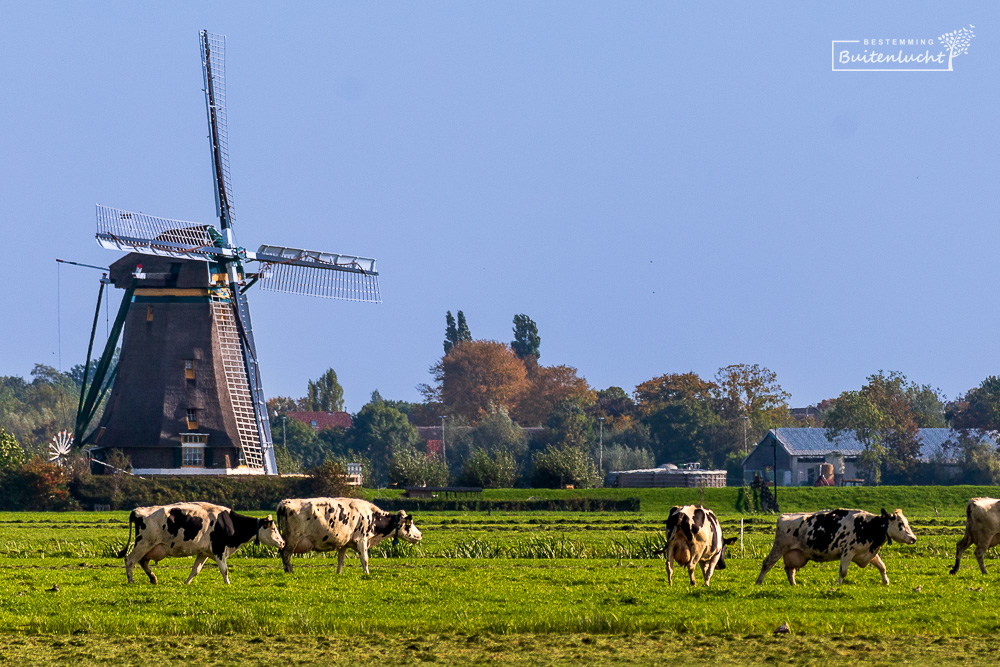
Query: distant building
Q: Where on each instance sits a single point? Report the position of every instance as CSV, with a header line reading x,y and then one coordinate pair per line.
x,y
322,420
798,453
689,475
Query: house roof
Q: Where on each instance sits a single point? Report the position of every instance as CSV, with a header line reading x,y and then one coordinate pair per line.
x,y
322,420
813,441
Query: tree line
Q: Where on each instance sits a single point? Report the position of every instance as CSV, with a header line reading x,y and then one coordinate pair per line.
x,y
509,420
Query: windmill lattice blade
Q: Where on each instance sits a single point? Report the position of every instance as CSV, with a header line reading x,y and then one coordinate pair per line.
x,y
213,61
137,232
315,273
311,281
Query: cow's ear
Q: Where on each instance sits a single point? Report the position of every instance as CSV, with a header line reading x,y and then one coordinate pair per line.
x,y
884,513
409,521
730,540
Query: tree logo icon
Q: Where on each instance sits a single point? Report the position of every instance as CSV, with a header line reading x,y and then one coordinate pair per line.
x,y
957,42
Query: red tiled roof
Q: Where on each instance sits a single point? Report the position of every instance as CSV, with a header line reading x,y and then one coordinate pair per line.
x,y
322,420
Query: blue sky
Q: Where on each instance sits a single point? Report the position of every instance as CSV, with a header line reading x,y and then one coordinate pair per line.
x,y
662,187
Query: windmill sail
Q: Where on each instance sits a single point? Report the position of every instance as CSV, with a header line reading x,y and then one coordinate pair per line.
x,y
315,273
213,61
137,232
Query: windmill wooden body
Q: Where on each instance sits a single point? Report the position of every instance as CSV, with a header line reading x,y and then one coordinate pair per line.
x,y
186,396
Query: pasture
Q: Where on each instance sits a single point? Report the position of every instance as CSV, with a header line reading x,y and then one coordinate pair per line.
x,y
525,588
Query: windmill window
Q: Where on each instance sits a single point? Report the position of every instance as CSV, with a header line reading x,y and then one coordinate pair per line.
x,y
192,457
189,369
149,313
192,418
194,438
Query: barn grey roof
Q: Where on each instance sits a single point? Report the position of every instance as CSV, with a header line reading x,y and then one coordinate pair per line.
x,y
813,442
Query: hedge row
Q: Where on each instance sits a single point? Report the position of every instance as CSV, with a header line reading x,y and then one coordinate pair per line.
x,y
243,493
576,504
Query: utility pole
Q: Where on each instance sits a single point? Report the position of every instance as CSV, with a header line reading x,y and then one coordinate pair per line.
x,y
444,451
745,420
284,438
600,462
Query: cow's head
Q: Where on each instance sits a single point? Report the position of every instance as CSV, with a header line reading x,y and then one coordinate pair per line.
x,y
721,565
406,529
267,533
899,527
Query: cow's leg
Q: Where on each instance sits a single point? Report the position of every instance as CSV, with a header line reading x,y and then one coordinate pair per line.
x,y
129,567
981,553
794,560
845,562
708,569
341,557
363,555
880,566
144,564
198,563
670,569
769,562
961,546
286,556
223,568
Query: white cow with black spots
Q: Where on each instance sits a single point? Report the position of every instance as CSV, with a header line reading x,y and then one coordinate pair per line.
x,y
339,524
694,537
850,536
202,530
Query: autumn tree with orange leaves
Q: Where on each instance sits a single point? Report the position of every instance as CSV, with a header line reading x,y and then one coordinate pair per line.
x,y
479,373
548,386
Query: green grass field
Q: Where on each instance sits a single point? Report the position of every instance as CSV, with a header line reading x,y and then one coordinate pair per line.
x,y
528,588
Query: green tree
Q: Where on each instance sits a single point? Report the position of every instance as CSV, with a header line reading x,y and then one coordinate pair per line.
x,y
979,457
302,442
979,408
561,465
680,410
378,430
325,394
455,333
497,470
881,418
450,333
751,390
288,463
927,405
408,466
623,457
464,335
280,406
526,339
11,453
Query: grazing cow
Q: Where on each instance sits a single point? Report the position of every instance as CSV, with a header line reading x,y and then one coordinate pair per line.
x,y
694,537
982,528
844,535
336,524
202,530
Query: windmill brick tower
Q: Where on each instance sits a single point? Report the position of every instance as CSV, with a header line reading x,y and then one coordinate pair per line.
x,y
186,395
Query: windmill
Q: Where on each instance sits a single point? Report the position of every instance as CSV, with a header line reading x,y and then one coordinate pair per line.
x,y
60,447
186,395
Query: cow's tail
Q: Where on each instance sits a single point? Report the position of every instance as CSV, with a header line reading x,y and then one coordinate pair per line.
x,y
131,522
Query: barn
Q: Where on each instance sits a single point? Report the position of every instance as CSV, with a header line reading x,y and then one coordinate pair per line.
x,y
798,453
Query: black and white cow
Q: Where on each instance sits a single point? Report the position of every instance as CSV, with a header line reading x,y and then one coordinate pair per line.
x,y
982,528
844,535
339,524
694,537
202,530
